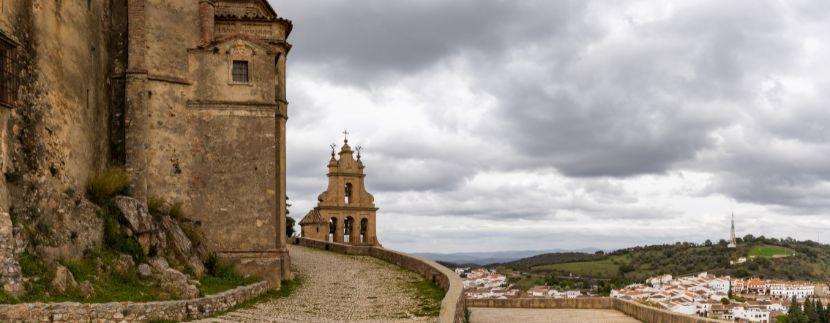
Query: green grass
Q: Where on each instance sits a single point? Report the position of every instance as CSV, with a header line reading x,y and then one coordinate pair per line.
x,y
112,285
430,296
109,285
597,268
770,251
223,279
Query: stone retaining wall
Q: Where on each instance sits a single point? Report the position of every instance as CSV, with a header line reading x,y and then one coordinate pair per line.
x,y
636,310
132,311
593,303
452,306
652,314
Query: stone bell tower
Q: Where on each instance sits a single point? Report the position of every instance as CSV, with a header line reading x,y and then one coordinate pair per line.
x,y
345,212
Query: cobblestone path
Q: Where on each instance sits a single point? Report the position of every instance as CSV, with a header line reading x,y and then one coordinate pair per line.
x,y
339,288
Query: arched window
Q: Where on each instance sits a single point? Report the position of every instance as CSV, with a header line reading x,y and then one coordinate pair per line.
x,y
348,223
348,193
364,226
332,229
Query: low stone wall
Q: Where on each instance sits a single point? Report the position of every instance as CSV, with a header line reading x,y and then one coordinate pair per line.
x,y
452,306
132,311
652,314
636,310
593,303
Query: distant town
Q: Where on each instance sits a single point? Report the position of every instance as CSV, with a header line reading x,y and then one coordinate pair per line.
x,y
705,295
745,298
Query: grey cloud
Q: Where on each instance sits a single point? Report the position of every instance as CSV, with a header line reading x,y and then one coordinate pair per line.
x,y
573,92
361,39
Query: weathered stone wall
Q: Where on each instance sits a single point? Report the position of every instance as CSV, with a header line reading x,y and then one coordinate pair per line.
x,y
651,314
197,137
631,308
452,306
10,276
594,303
130,311
56,136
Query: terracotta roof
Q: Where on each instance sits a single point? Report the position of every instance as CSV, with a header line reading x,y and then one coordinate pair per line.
x,y
313,217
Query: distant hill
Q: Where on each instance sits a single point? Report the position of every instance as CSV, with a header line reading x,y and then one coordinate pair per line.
x,y
768,258
525,264
492,257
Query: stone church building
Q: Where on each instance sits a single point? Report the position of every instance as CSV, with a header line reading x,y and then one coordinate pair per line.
x,y
345,212
187,95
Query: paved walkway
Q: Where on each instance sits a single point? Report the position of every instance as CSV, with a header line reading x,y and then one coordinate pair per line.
x,y
338,288
526,315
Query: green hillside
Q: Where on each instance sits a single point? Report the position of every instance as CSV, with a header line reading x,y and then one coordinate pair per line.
x,y
766,257
607,267
771,251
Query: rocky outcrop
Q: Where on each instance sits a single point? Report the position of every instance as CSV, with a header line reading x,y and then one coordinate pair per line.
x,y
144,271
10,276
161,233
182,245
136,214
173,280
63,279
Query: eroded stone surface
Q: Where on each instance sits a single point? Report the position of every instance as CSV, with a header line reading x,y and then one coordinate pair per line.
x,y
9,268
339,288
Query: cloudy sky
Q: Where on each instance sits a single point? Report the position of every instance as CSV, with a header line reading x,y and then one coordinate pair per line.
x,y
503,125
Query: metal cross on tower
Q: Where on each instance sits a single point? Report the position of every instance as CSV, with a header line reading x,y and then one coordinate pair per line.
x,y
345,136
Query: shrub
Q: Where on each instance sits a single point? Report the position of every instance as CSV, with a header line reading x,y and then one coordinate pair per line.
x,y
176,211
156,206
107,184
212,264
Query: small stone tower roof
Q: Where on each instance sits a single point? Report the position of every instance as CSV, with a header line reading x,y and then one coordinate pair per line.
x,y
313,217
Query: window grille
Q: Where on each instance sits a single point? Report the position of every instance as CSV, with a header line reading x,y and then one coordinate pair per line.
x,y
240,71
8,74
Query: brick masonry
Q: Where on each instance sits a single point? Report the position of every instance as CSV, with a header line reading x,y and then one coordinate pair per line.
x,y
132,311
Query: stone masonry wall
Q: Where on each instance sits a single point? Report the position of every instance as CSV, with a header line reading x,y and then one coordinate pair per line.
x,y
9,268
132,312
55,136
452,306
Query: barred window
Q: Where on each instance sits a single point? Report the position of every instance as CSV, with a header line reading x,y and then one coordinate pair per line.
x,y
8,73
240,71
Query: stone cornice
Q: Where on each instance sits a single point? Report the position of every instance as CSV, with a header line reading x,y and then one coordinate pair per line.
x,y
345,174
346,208
237,105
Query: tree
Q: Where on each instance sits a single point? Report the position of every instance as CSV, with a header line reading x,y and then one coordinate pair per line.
x,y
289,226
729,293
289,221
810,311
793,307
707,243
